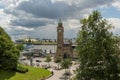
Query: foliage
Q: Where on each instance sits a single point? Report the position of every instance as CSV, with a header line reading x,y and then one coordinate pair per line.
x,y
97,50
58,59
20,47
8,52
21,68
32,74
48,59
66,63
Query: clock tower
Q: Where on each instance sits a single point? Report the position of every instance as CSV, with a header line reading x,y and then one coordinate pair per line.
x,y
64,48
60,39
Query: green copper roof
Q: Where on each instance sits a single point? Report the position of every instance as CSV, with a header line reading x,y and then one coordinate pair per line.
x,y
60,22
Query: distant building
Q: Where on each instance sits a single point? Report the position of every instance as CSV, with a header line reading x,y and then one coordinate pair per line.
x,y
64,48
19,41
30,39
26,40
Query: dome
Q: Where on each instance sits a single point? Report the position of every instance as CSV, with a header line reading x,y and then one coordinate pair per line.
x,y
60,23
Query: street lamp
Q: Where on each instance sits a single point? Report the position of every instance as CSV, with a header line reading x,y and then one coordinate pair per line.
x,y
31,61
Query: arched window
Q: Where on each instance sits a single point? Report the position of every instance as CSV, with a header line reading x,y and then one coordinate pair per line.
x,y
65,56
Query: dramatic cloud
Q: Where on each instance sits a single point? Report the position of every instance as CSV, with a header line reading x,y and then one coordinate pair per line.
x,y
32,22
116,23
38,18
117,4
51,10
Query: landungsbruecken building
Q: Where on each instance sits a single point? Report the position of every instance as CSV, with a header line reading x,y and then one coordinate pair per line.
x,y
64,47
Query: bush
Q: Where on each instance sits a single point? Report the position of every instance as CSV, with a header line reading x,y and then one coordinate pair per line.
x,y
8,52
21,68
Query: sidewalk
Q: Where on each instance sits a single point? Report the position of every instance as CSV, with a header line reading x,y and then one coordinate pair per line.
x,y
59,73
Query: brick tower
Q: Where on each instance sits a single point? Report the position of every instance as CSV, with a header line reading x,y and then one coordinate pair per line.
x,y
60,39
64,48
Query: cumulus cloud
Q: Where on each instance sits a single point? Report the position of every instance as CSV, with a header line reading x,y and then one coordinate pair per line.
x,y
116,23
39,17
46,9
32,22
56,9
116,4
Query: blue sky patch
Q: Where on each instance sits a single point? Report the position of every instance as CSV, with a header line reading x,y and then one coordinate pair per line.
x,y
110,12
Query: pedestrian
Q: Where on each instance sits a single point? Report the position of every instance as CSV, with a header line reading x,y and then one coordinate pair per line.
x,y
52,73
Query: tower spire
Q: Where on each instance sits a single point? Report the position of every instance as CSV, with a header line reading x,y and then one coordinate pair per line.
x,y
60,22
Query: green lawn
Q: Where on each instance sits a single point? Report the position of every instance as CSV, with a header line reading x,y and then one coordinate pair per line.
x,y
32,74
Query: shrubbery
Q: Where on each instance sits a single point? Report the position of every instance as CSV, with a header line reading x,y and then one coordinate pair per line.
x,y
8,52
21,68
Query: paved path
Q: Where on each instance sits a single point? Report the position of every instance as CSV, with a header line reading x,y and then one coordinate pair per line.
x,y
58,74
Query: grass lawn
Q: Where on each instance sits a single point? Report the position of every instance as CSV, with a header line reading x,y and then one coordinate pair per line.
x,y
32,74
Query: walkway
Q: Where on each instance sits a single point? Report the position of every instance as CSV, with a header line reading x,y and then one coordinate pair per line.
x,y
58,74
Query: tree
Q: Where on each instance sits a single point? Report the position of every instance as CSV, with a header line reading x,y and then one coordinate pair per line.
x,y
20,47
8,52
58,60
66,63
97,50
48,59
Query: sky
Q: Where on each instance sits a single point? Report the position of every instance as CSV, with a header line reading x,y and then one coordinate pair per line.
x,y
39,18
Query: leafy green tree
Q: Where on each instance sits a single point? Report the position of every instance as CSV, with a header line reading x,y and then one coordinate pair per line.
x,y
97,50
20,47
8,52
58,60
66,63
48,59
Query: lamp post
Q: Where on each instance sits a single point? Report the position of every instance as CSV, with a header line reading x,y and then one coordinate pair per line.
x,y
31,60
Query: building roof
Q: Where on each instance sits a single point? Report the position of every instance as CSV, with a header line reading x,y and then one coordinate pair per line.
x,y
60,22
